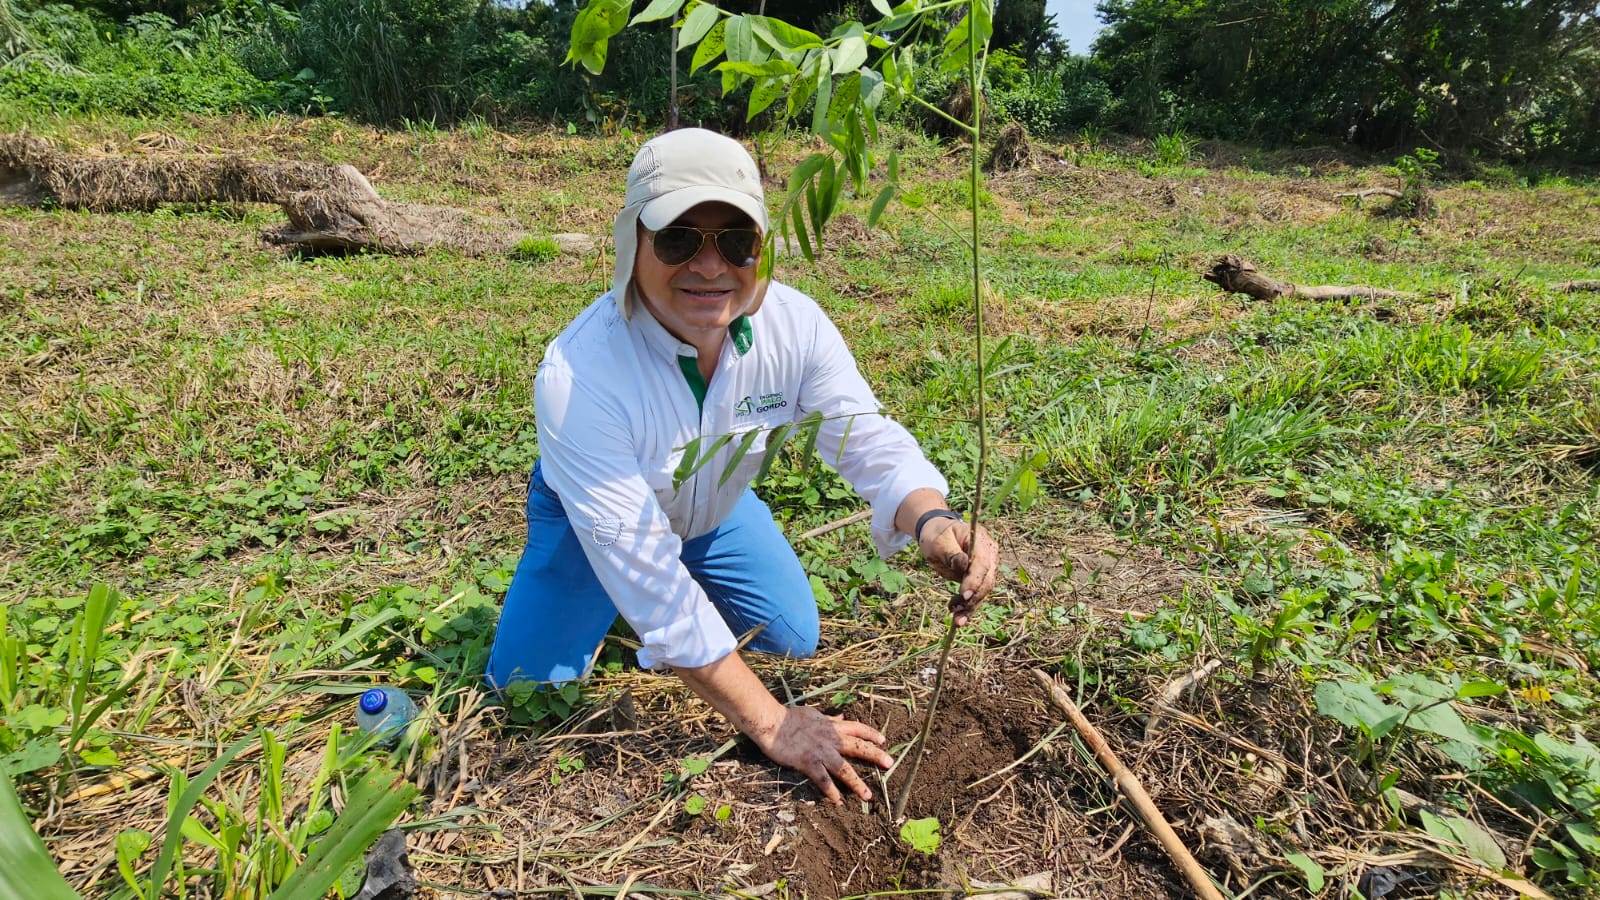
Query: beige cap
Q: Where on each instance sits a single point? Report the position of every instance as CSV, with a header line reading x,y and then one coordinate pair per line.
x,y
672,174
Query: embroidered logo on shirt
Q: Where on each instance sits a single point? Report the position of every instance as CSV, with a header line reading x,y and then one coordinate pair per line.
x,y
756,405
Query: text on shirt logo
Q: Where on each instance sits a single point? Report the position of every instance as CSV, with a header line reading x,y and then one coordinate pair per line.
x,y
765,403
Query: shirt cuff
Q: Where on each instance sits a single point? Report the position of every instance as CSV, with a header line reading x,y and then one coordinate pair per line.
x,y
912,476
698,639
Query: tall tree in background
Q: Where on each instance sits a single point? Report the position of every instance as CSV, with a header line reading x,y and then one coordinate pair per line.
x,y
1508,76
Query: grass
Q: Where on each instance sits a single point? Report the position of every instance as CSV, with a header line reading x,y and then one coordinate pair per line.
x,y
264,482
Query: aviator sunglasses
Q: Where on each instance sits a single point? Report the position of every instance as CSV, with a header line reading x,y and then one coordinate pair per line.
x,y
677,244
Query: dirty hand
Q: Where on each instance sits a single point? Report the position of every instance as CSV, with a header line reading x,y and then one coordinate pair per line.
x,y
820,747
947,546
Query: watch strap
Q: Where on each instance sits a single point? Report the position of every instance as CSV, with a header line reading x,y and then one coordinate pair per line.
x,y
929,516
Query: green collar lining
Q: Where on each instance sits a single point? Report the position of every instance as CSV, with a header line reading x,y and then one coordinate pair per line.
x,y
744,337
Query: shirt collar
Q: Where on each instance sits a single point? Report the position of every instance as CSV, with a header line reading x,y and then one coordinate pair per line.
x,y
670,348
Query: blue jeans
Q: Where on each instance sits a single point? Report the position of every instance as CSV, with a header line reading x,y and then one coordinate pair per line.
x,y
556,613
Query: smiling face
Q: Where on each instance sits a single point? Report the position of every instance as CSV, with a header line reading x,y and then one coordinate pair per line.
x,y
698,300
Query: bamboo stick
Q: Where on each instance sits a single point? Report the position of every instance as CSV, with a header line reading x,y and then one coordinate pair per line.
x,y
1130,787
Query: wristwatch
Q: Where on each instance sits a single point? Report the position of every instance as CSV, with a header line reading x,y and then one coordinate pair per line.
x,y
929,516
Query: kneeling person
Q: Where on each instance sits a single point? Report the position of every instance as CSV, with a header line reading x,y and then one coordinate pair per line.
x,y
688,344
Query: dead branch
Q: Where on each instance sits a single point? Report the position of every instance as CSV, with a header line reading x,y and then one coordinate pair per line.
x,y
1361,195
1129,784
1573,287
1239,276
329,207
33,173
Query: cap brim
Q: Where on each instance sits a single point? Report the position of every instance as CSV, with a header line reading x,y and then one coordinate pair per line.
x,y
665,209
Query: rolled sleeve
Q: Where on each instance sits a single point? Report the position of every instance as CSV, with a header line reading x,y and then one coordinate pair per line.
x,y
588,459
876,454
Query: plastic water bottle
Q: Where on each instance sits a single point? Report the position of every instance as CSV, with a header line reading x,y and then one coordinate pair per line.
x,y
385,711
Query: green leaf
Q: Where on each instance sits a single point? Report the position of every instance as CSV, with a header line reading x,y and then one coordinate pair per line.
x,y
824,82
26,870
741,41
131,845
180,812
1585,836
745,443
882,6
1316,876
771,68
376,801
694,804
1357,706
1465,834
879,204
592,31
697,24
711,47
658,10
1480,689
723,813
36,754
849,55
781,36
808,167
800,234
775,442
695,765
1025,465
922,835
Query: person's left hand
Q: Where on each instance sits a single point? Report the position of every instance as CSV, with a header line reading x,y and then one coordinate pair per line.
x,y
948,547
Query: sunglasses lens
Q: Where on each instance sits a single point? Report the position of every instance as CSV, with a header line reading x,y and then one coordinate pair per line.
x,y
739,246
676,245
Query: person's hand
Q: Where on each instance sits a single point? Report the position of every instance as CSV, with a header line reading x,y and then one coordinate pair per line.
x,y
820,747
947,546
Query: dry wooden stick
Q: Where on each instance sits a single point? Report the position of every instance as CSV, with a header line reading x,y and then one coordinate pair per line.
x,y
1129,784
836,524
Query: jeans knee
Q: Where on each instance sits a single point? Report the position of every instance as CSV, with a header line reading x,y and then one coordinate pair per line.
x,y
782,637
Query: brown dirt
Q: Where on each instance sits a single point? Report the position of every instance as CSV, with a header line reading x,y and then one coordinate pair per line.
x,y
1053,813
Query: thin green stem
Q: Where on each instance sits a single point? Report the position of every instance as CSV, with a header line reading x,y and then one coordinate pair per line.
x,y
897,811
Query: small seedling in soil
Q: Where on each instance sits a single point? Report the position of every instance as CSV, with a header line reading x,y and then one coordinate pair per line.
x,y
694,804
922,835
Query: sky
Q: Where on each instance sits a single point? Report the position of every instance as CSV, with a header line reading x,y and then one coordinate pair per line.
x,y
1076,21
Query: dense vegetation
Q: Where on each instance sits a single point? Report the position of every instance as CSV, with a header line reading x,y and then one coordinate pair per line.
x,y
1494,78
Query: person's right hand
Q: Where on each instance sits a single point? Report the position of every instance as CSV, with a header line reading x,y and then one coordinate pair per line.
x,y
820,747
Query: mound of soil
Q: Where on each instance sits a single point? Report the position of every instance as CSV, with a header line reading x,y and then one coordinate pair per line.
x,y
982,726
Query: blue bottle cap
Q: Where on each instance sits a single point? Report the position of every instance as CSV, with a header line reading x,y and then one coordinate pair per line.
x,y
373,701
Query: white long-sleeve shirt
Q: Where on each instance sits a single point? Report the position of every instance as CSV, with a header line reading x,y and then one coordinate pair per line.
x,y
615,411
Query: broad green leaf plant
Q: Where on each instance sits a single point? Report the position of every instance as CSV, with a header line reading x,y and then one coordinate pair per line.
x,y
845,79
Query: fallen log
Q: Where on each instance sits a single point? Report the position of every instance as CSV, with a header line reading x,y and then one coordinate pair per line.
x,y
1239,276
328,207
33,173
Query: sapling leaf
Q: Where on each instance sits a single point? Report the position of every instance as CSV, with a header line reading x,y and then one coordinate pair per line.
x,y
764,94
694,804
922,835
879,204
850,54
711,46
883,8
697,24
739,452
658,10
775,442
